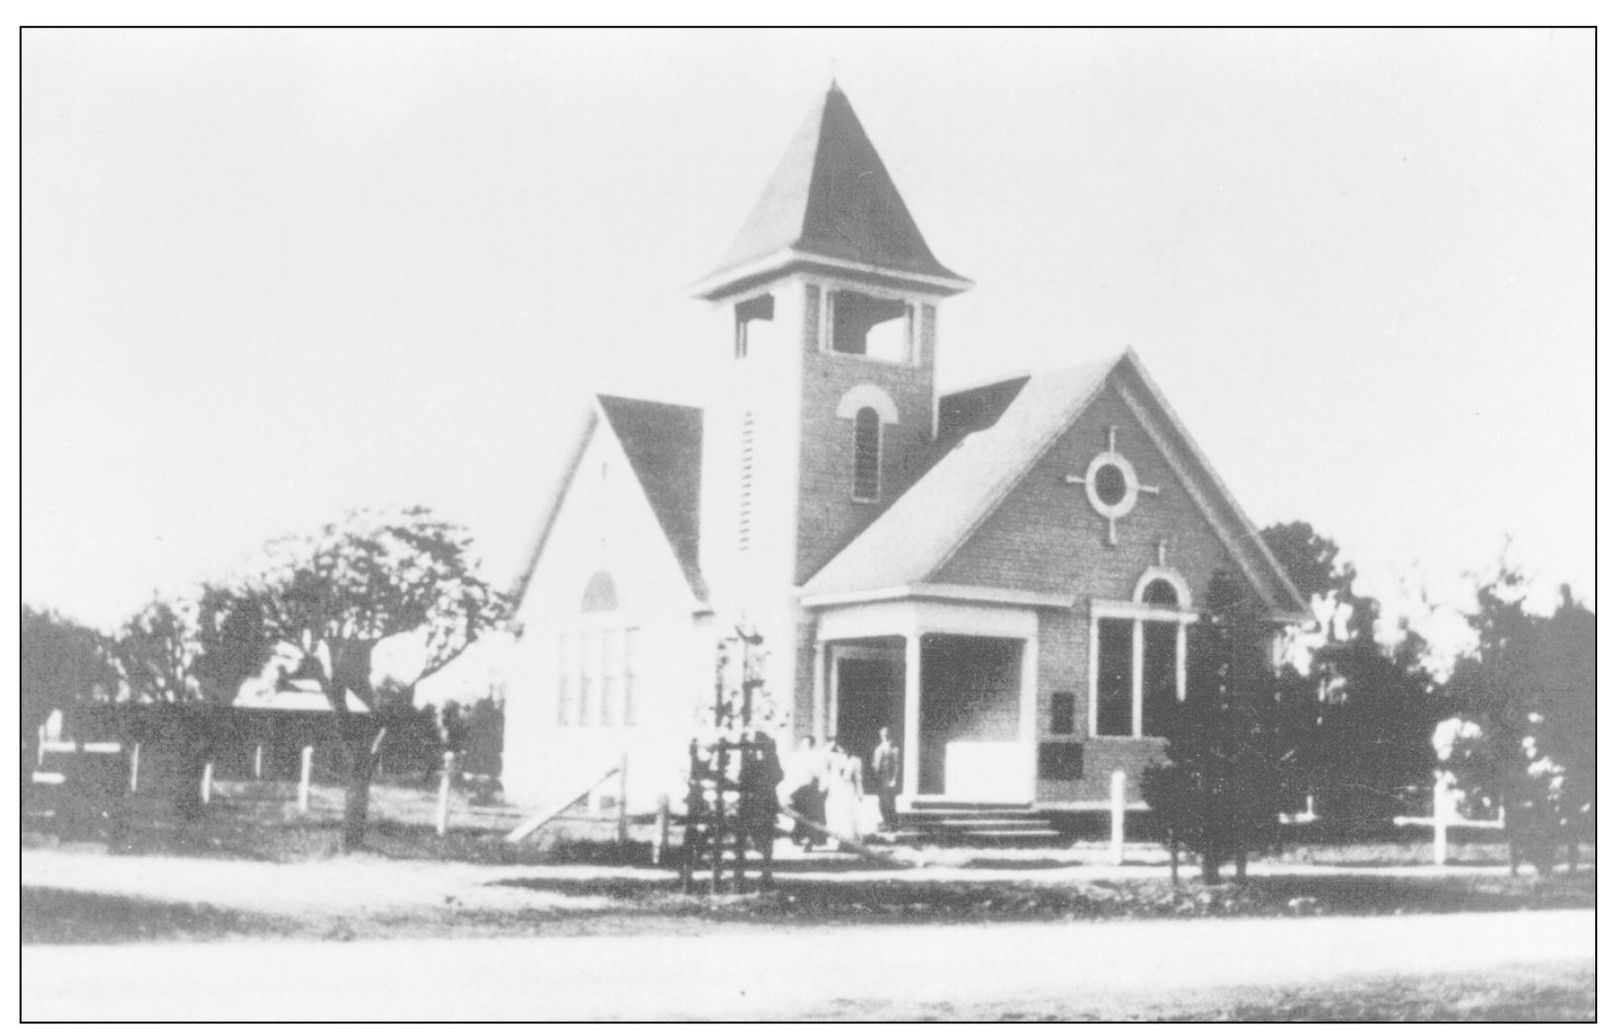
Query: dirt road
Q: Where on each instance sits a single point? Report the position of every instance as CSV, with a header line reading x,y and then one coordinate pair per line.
x,y
876,971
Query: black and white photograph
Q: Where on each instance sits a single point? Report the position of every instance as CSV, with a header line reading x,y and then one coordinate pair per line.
x,y
830,525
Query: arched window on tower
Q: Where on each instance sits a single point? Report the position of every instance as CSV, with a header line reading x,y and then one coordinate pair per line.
x,y
868,454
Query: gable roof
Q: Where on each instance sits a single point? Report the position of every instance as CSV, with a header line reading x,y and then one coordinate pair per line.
x,y
924,527
663,443
973,409
830,198
1004,429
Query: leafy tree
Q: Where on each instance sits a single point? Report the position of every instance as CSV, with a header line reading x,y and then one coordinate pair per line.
x,y
232,643
336,595
1217,791
226,644
1309,558
192,654
156,648
63,662
1355,728
1530,684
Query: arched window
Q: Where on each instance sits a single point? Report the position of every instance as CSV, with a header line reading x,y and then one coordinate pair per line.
x,y
600,594
596,661
1139,667
868,452
1161,592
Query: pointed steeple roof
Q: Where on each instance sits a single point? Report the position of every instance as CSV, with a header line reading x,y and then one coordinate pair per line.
x,y
830,198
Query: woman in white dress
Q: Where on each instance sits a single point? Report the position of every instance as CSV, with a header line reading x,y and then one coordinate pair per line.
x,y
844,794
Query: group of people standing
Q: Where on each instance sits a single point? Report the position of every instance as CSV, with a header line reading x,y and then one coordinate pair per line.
x,y
827,787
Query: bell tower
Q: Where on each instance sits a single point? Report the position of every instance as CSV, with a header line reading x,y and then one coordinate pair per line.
x,y
827,311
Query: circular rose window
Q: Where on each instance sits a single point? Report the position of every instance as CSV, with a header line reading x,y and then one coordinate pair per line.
x,y
1111,484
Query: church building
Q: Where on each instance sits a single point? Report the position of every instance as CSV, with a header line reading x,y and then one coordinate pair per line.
x,y
1001,575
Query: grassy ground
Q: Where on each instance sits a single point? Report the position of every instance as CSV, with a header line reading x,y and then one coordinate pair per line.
x,y
54,916
259,824
261,821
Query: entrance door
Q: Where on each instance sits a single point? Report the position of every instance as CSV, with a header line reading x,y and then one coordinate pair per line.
x,y
870,689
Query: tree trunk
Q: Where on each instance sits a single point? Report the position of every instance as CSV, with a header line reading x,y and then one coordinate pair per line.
x,y
1211,865
363,753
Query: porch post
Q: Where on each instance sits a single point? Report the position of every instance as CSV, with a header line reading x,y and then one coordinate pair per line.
x,y
1029,710
911,746
819,691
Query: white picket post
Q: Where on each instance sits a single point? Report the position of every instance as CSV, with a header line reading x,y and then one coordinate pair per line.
x,y
1118,817
1441,815
444,793
623,796
207,782
40,762
661,843
308,763
135,768
258,762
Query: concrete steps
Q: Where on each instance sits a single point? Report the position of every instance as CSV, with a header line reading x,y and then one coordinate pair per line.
x,y
976,823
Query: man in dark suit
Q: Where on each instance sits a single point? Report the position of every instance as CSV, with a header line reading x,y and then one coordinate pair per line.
x,y
885,763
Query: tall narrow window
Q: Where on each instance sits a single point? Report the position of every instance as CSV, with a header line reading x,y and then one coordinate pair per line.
x,y
1113,678
567,678
589,676
1158,677
596,661
868,453
630,714
1140,664
744,516
612,651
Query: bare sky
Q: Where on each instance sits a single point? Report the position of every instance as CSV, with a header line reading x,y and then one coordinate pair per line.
x,y
272,275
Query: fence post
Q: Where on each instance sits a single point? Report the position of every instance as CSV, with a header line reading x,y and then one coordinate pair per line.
x,y
623,797
307,763
40,762
1118,817
135,768
258,762
207,782
444,793
1441,816
661,842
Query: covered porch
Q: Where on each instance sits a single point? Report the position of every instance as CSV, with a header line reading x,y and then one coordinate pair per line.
x,y
953,678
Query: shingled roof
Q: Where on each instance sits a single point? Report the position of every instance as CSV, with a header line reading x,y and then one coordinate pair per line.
x,y
664,443
831,197
1002,430
924,528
